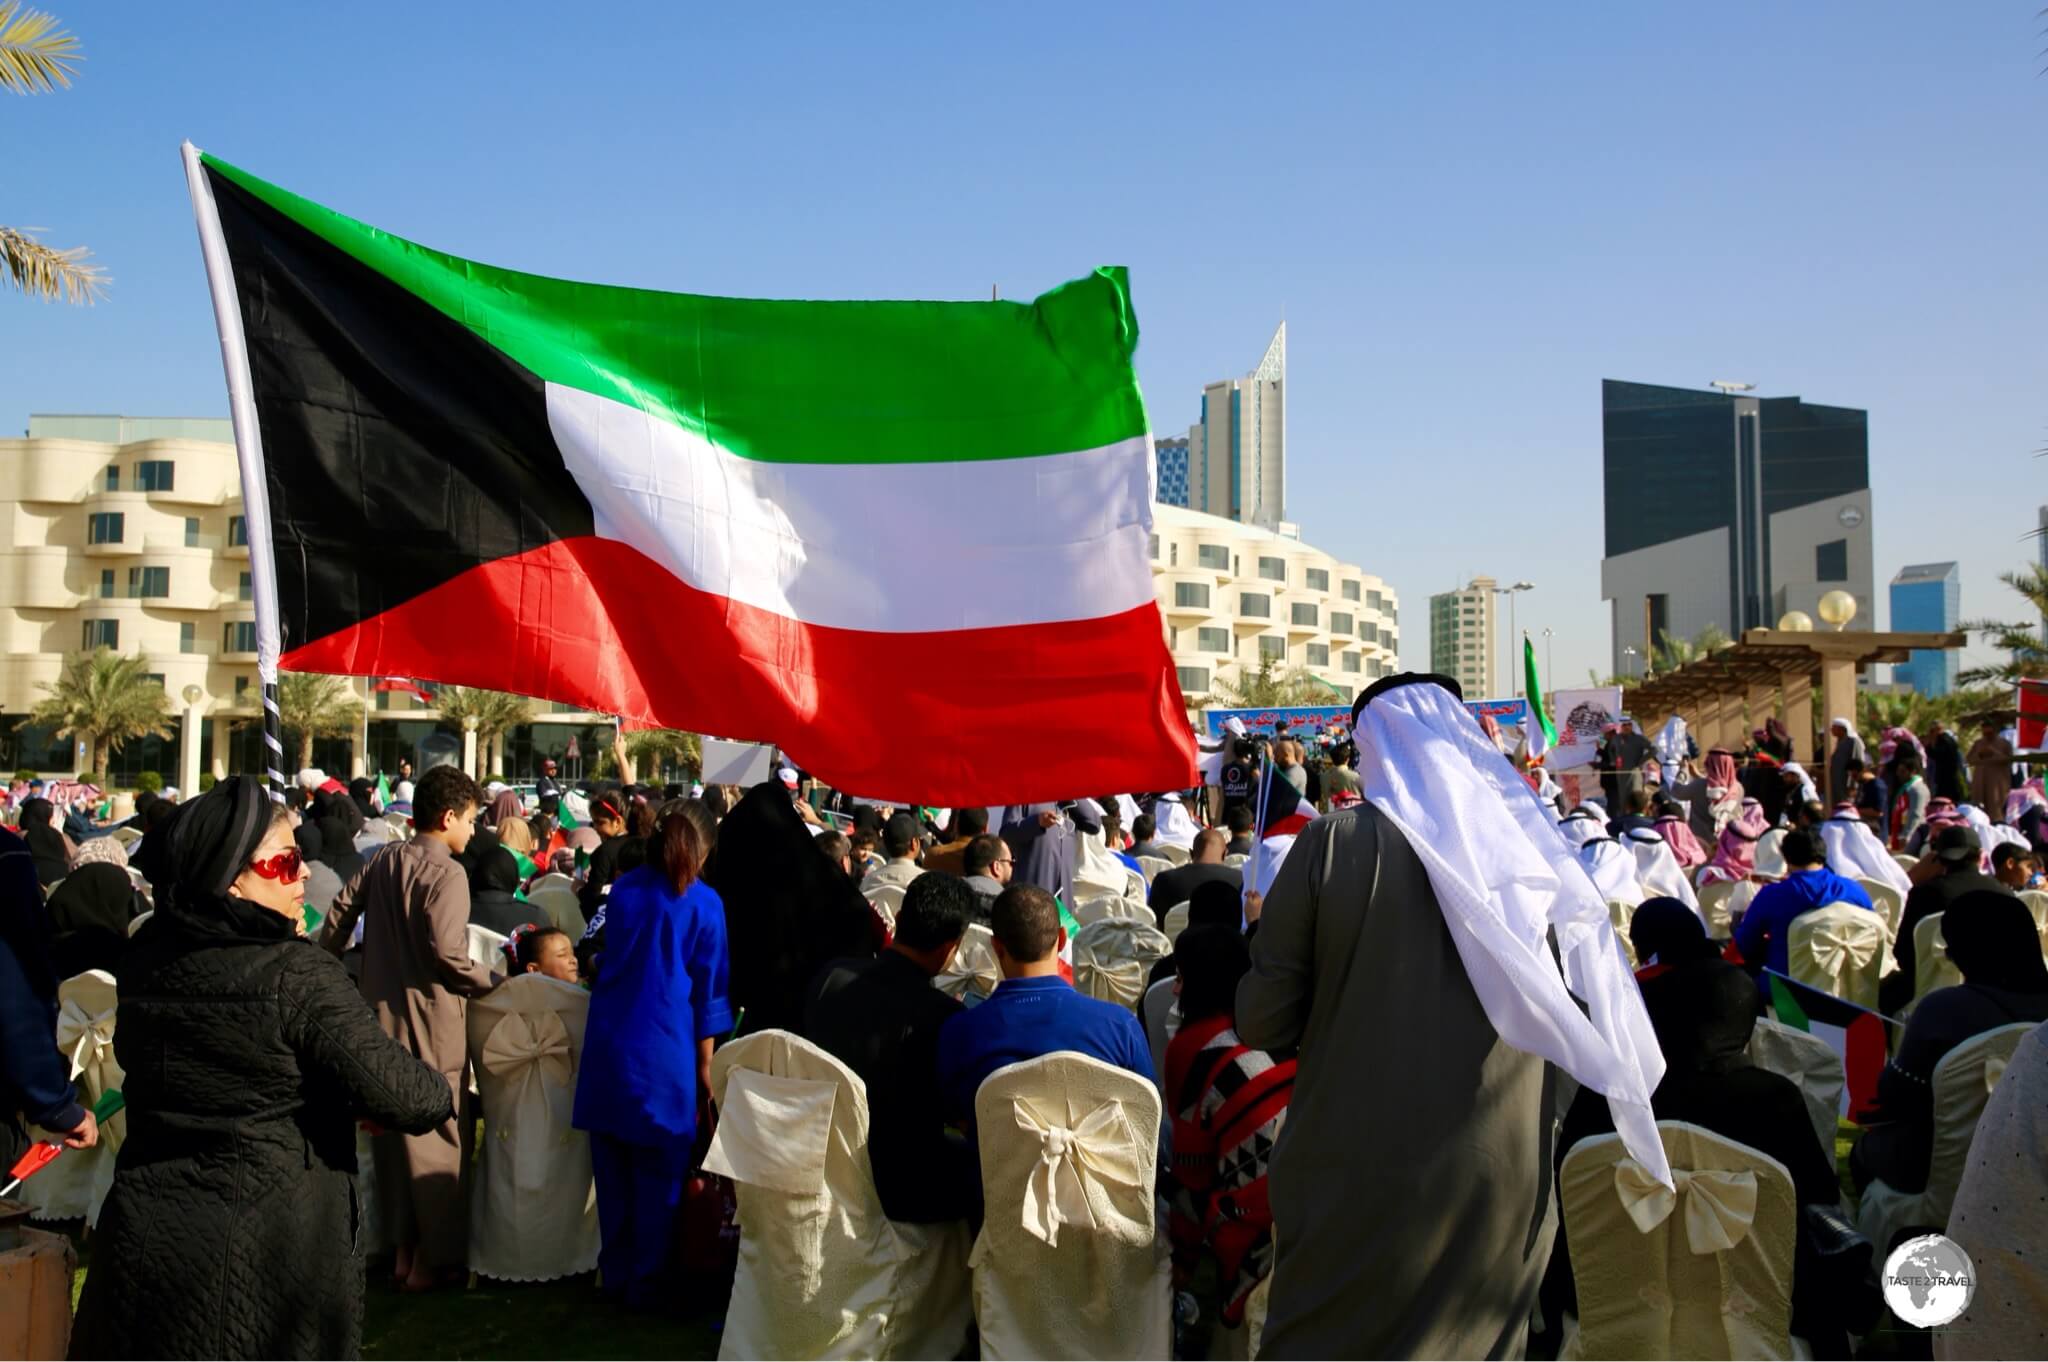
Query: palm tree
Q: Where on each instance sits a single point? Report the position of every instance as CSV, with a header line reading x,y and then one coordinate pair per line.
x,y
312,706
666,747
1673,652
37,57
496,712
103,699
2027,652
1267,688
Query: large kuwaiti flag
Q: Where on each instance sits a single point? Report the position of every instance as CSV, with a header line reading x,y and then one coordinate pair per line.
x,y
908,541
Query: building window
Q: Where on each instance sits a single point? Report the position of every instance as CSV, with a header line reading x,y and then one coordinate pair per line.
x,y
1193,680
242,589
191,531
113,477
238,636
1351,662
1190,596
1213,556
1374,601
1350,591
154,475
1304,612
188,637
1212,641
157,677
1831,561
1340,622
102,634
242,690
1273,569
106,584
1172,555
1155,548
1255,603
105,527
1318,579
1318,654
1370,632
238,532
149,583
1272,649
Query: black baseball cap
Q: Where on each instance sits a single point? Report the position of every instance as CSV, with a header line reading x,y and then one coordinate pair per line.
x,y
1957,843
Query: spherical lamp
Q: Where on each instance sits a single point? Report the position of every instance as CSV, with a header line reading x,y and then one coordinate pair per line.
x,y
1837,608
1796,622
193,695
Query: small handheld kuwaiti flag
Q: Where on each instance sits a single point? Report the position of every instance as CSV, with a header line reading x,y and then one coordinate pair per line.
x,y
2032,700
1539,733
895,538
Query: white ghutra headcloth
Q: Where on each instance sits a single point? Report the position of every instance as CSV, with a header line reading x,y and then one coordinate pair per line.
x,y
1506,881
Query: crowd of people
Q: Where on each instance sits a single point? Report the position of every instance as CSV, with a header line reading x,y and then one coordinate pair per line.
x,y
1398,918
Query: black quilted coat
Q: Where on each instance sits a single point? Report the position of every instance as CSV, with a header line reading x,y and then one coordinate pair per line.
x,y
232,1226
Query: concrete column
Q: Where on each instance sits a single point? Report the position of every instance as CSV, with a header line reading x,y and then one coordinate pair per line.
x,y
469,752
188,752
221,736
1797,688
1838,696
1709,719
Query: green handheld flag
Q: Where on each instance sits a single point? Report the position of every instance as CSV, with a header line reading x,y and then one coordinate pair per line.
x,y
1541,733
383,791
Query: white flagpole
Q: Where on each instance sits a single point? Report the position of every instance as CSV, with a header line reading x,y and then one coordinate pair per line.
x,y
234,354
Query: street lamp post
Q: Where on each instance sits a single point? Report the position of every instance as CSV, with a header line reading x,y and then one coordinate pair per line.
x,y
188,745
1549,666
1629,668
1509,592
469,745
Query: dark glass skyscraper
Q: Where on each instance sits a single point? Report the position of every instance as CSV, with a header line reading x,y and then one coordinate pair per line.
x,y
1728,510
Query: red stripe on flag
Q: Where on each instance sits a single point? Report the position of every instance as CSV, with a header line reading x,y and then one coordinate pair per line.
x,y
1012,715
2033,720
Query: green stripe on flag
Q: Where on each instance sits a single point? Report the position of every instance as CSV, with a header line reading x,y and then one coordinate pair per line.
x,y
1067,919
1787,1007
1533,688
790,381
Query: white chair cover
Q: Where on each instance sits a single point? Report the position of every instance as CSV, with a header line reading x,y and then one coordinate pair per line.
x,y
1719,903
1907,862
1116,907
140,918
2037,904
1113,959
1932,968
77,1183
1962,1085
554,879
1770,854
558,905
1151,867
823,1273
973,968
1160,1012
886,899
1172,854
1809,1062
1069,1262
1888,901
1236,861
487,948
127,837
1702,1271
1839,949
1175,921
533,1210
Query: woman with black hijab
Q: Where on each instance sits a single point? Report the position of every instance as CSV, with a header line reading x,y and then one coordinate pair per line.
x,y
322,884
1991,939
45,844
493,885
338,828
232,1228
1666,934
91,910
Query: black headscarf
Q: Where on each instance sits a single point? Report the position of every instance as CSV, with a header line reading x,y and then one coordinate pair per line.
x,y
788,910
311,843
1216,903
1703,1012
25,927
1210,960
89,917
496,869
45,843
1991,939
1664,928
192,858
359,794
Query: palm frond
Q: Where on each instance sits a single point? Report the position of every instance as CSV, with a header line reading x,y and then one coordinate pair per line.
x,y
48,273
36,56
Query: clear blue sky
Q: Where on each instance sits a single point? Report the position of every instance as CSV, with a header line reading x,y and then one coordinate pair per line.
x,y
1468,215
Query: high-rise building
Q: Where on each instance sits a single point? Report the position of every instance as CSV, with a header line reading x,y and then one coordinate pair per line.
x,y
1461,638
1729,511
1172,457
128,532
1236,455
1927,597
1233,596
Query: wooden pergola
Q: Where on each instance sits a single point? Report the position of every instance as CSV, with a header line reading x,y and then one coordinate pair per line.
x,y
1773,672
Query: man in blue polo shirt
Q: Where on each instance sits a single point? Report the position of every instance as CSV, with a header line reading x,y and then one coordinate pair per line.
x,y
1033,1011
1766,928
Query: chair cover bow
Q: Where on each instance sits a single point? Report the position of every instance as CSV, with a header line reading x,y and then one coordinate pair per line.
x,y
1720,1205
1098,1150
1840,952
538,1039
531,1054
88,1037
774,1131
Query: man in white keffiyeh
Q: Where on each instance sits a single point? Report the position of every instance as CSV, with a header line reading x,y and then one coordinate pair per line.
x,y
1406,950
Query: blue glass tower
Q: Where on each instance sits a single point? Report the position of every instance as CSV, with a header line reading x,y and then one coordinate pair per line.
x,y
1927,597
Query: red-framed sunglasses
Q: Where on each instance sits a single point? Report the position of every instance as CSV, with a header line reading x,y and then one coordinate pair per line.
x,y
283,866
